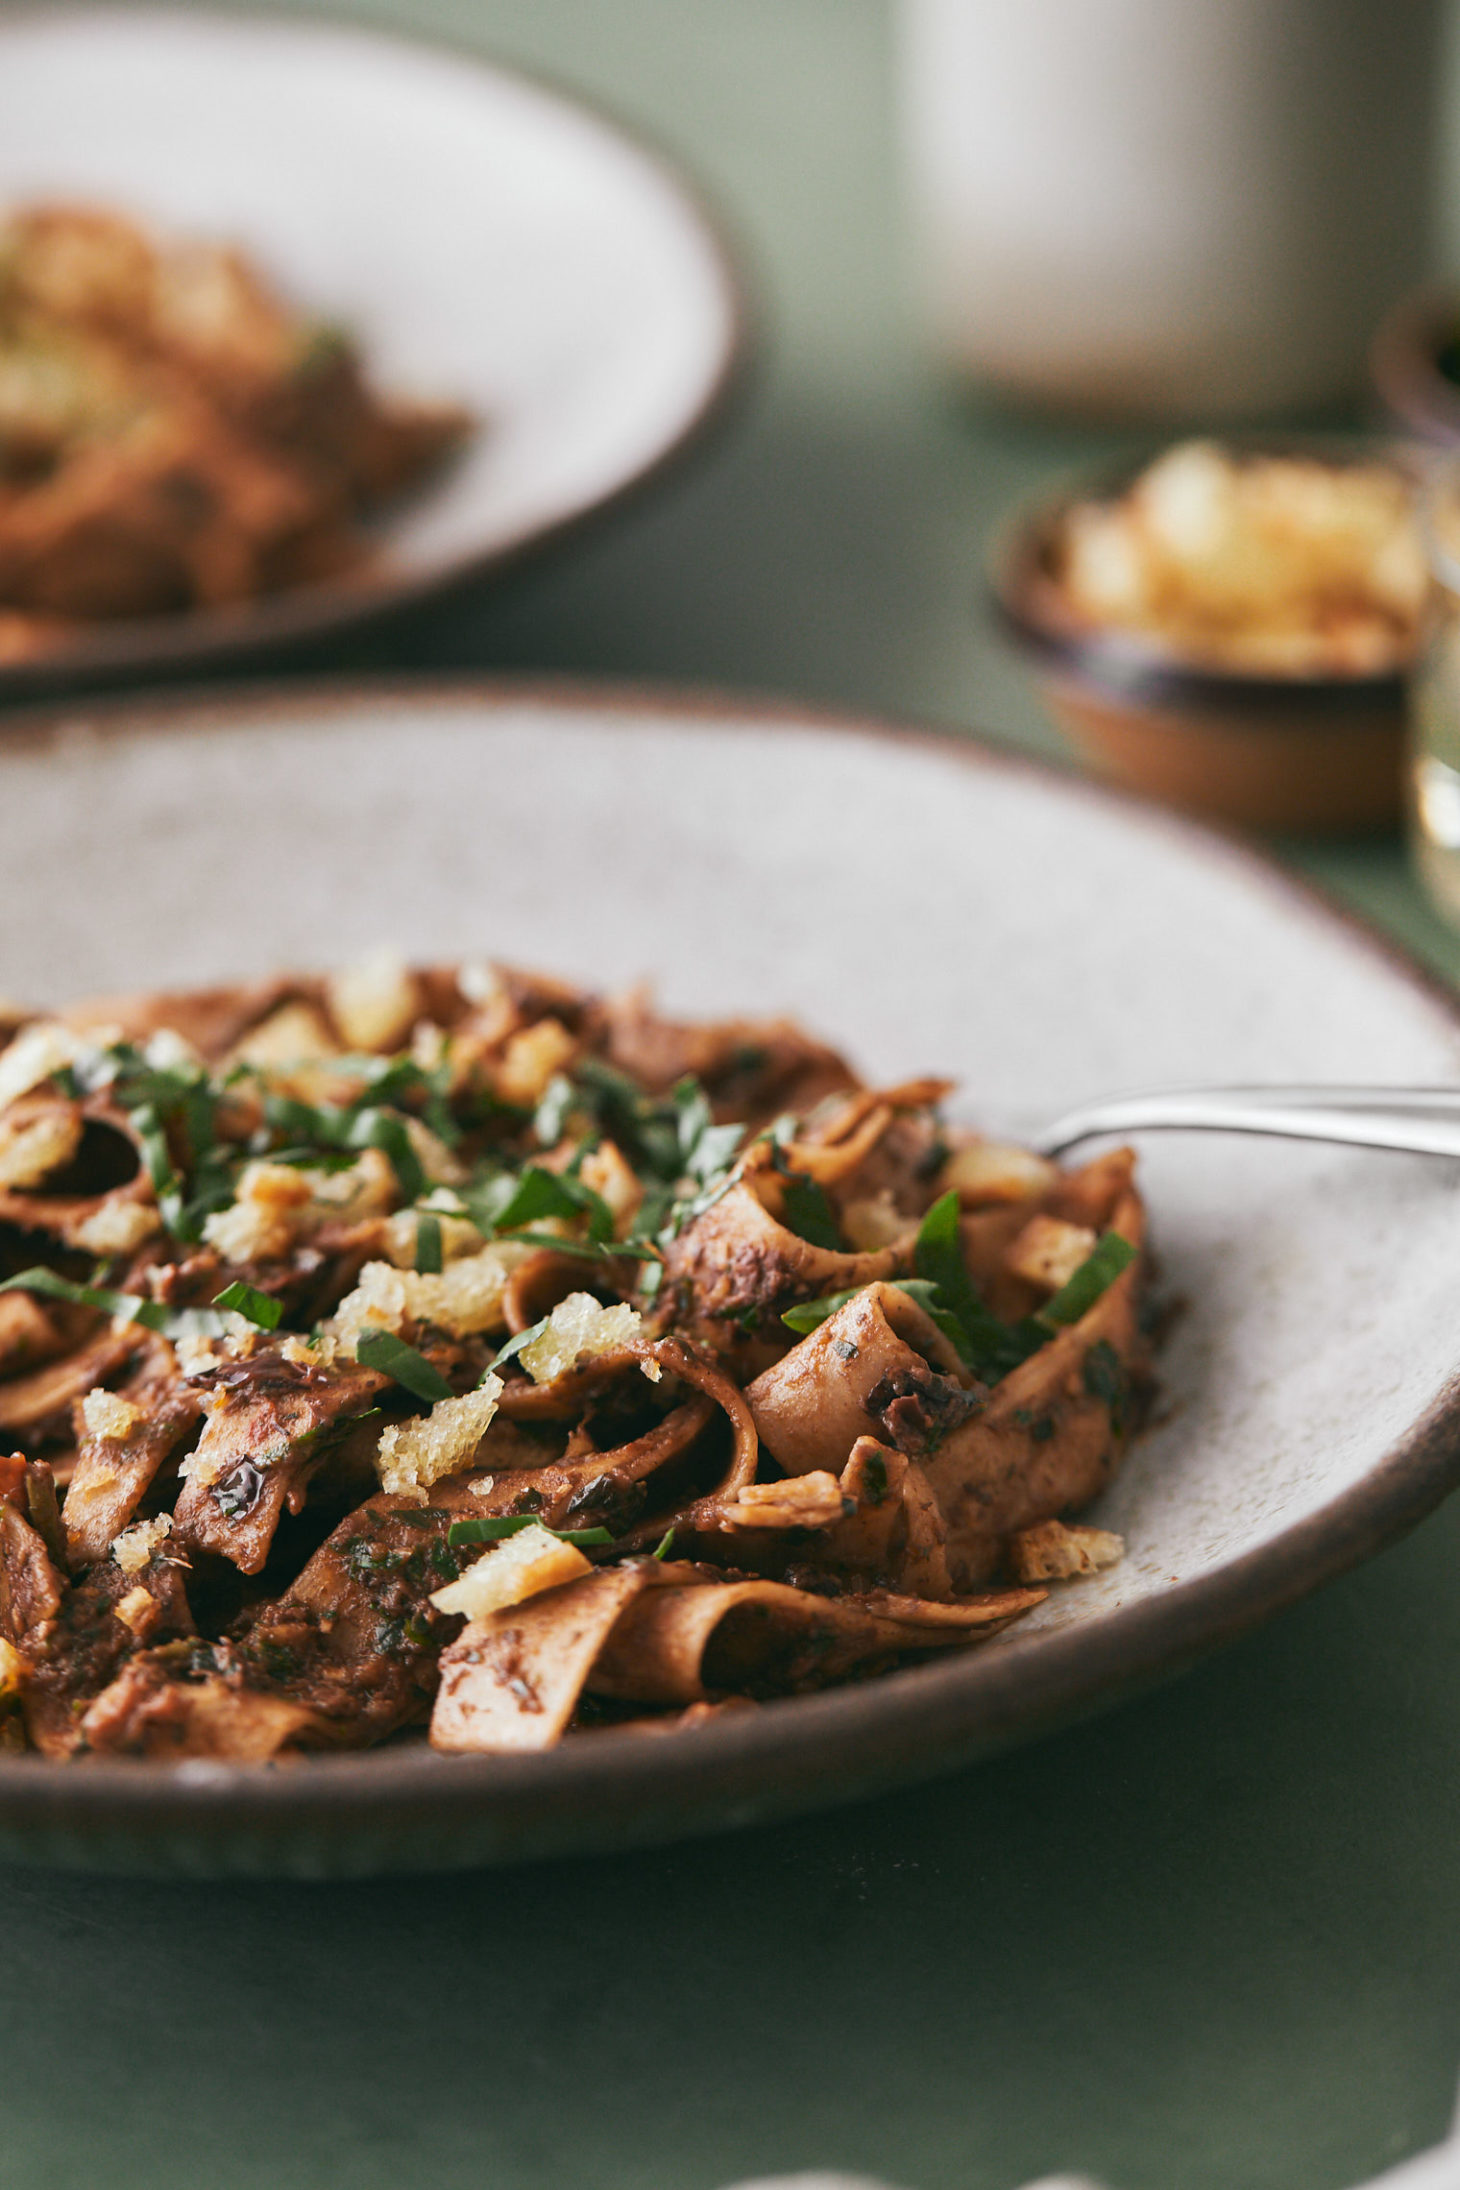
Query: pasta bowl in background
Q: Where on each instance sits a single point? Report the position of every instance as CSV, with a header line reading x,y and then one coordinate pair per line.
x,y
1242,741
487,242
1310,1396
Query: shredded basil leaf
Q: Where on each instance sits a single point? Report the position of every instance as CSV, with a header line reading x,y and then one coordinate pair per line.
x,y
429,1259
692,1115
925,1293
172,1322
809,1315
505,1205
247,1300
983,1341
156,1155
551,1116
537,1194
715,1150
382,1350
704,1147
808,1213
661,1549
385,1130
514,1346
491,1529
666,1141
1100,1269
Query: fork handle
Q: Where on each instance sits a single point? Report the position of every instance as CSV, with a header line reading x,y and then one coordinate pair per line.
x,y
1420,1121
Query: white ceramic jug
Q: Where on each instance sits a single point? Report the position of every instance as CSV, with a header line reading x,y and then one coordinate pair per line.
x,y
1168,208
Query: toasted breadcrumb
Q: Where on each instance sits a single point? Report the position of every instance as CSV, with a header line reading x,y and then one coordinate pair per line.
x,y
1052,1551
169,1051
295,1034
577,1326
199,1351
265,1217
374,1001
459,1236
605,1170
1048,1252
116,1227
813,1500
478,982
366,1189
519,1567
464,1298
37,1052
996,1171
379,1302
874,1222
107,1415
140,1611
530,1060
414,1455
1269,565
139,1545
435,1158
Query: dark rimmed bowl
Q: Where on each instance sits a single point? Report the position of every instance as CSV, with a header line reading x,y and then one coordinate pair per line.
x,y
1321,754
915,898
520,252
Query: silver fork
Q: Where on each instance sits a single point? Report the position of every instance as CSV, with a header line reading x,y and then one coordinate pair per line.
x,y
1423,1121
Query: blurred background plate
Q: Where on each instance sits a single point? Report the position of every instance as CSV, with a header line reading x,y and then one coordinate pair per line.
x,y
928,906
488,240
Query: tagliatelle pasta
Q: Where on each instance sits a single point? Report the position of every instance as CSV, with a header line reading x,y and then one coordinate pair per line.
x,y
552,1369
174,435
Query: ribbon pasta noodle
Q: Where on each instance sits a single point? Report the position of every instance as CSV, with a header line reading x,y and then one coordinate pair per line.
x,y
455,1349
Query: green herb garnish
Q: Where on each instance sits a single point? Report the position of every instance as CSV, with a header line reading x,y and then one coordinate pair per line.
x,y
925,1293
1096,1274
551,1116
173,1322
247,1300
944,1291
980,1337
808,1213
809,1315
382,1350
386,1130
661,1549
514,1346
705,1149
508,1204
429,1259
491,1528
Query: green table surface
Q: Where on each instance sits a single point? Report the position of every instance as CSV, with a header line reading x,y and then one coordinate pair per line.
x,y
1204,1942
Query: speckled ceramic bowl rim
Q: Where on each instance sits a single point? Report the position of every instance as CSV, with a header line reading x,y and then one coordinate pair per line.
x,y
198,639
616,1791
1127,669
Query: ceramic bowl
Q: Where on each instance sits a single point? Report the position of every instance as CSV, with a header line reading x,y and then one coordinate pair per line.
x,y
925,904
1321,754
489,240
